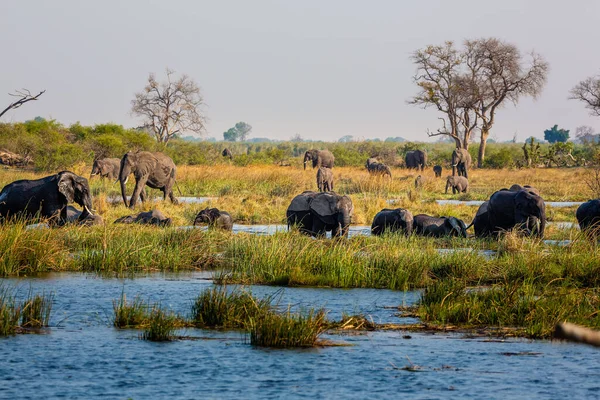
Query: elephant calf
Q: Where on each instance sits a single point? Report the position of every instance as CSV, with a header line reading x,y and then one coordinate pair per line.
x,y
106,168
588,217
153,217
459,184
325,179
74,216
376,168
392,220
426,225
214,218
437,170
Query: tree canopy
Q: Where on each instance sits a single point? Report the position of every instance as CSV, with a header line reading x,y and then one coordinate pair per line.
x,y
554,135
239,132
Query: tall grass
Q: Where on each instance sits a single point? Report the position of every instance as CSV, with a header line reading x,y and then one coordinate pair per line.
x,y
129,315
161,325
287,330
17,316
35,310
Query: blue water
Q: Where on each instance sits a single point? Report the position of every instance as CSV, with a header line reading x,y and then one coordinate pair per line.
x,y
83,356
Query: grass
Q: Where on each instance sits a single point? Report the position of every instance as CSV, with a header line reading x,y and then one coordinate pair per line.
x,y
18,317
287,330
161,325
129,315
35,311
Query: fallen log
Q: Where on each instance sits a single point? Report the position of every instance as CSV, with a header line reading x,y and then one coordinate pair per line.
x,y
576,333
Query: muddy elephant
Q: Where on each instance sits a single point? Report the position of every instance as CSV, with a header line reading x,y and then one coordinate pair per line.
x,y
426,225
376,168
320,158
415,159
46,198
227,154
317,213
74,216
588,217
461,162
459,184
437,170
106,168
154,217
214,218
155,170
392,220
509,209
325,179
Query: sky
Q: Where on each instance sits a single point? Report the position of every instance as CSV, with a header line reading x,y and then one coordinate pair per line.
x,y
319,69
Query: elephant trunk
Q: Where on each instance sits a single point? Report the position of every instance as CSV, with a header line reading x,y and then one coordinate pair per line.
x,y
305,164
123,176
447,186
345,222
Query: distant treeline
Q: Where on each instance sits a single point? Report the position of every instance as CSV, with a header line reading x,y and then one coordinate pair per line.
x,y
52,147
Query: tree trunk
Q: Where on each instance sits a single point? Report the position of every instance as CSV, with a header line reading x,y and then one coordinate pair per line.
x,y
482,144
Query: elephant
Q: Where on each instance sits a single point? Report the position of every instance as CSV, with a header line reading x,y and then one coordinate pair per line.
x,y
215,218
416,159
588,217
317,213
227,154
459,184
320,158
376,168
154,217
74,217
426,225
155,170
106,168
419,181
437,170
509,209
392,220
461,162
47,197
516,187
324,179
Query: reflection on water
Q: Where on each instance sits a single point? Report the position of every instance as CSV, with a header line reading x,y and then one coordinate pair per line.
x,y
84,357
186,200
557,204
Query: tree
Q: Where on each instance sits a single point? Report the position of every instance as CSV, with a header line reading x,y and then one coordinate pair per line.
x,y
554,135
24,97
239,132
346,139
588,91
586,134
297,138
170,108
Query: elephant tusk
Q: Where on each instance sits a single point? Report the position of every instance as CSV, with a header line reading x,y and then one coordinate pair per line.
x,y
88,210
454,165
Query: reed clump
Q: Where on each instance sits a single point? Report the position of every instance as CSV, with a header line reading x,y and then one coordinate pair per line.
x,y
130,314
35,311
161,325
21,316
287,330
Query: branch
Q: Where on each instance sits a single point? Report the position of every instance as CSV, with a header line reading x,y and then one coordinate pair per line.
x,y
25,97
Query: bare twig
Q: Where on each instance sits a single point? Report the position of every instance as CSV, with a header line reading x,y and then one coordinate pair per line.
x,y
24,97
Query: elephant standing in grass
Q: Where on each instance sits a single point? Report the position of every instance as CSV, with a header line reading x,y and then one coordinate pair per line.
x,y
588,217
459,184
214,218
320,158
376,168
154,217
325,179
227,154
155,170
392,220
317,213
461,162
106,168
46,198
437,170
426,225
416,159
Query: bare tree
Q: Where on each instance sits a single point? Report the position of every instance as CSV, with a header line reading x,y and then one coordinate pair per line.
x,y
170,108
586,134
24,96
588,91
497,73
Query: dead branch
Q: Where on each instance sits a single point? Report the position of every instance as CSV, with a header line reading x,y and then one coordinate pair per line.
x,y
24,97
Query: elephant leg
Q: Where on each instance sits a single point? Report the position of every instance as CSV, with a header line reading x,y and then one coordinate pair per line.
x,y
319,227
143,195
139,187
168,191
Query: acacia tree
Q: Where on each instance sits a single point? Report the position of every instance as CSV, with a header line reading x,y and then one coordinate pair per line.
x,y
588,91
24,96
171,107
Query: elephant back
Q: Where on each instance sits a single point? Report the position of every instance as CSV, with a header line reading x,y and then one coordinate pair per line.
x,y
302,201
326,204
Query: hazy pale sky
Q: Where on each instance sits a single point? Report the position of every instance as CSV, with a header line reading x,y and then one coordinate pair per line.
x,y
321,69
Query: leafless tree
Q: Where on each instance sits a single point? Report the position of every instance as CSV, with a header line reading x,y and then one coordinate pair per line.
x,y
588,91
170,108
586,134
497,73
24,96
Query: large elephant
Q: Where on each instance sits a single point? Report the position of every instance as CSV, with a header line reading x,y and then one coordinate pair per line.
x,y
153,169
320,158
317,213
439,227
325,179
461,162
106,168
376,168
416,159
392,220
508,209
227,153
46,197
588,217
214,218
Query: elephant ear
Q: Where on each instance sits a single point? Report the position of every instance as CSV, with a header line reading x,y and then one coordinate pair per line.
x,y
301,202
325,204
66,186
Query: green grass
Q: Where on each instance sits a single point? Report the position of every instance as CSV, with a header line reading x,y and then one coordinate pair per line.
x,y
129,315
35,311
161,325
17,317
287,330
